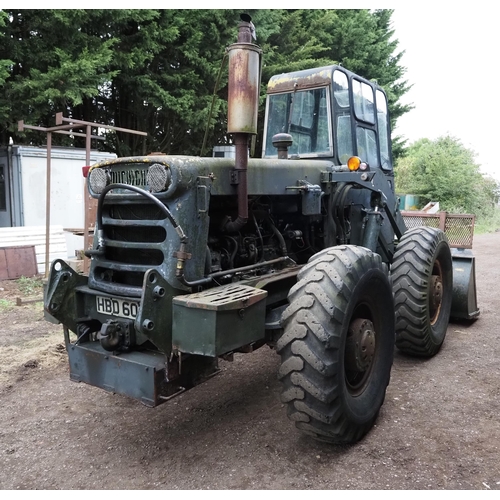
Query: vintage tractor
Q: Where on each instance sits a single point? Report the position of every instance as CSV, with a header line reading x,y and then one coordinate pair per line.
x,y
304,250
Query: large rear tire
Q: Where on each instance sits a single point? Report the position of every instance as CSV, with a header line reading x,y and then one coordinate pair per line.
x,y
338,343
422,276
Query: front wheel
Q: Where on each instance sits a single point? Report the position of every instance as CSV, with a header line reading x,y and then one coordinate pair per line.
x,y
338,342
422,274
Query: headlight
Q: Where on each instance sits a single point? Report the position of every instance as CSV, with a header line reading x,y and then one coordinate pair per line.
x,y
98,179
158,177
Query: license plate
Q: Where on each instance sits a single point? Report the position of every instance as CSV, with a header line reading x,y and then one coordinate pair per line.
x,y
117,307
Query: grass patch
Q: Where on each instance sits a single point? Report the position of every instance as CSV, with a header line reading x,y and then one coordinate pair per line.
x,y
488,224
30,286
6,305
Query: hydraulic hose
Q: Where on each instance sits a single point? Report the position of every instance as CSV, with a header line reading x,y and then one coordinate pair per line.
x,y
229,272
144,193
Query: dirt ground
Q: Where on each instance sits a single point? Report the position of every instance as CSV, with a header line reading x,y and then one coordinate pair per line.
x,y
439,428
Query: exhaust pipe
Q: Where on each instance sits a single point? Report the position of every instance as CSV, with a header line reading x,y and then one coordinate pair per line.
x,y
243,106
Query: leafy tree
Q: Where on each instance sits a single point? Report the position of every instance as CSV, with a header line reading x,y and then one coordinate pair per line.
x,y
54,66
5,65
445,170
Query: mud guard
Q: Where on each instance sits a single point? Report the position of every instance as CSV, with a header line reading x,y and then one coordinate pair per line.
x,y
464,302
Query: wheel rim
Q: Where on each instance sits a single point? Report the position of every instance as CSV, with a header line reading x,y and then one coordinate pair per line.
x,y
359,354
436,292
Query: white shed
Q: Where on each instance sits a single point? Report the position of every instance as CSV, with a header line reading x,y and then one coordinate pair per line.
x,y
23,188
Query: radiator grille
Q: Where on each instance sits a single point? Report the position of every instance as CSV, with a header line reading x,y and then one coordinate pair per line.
x,y
134,237
146,234
136,212
143,256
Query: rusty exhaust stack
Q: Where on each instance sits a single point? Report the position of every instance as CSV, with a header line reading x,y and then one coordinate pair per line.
x,y
243,104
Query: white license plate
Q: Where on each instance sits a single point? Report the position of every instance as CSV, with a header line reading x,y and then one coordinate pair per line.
x,y
117,307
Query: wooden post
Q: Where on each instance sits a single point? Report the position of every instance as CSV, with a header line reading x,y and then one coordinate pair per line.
x,y
442,220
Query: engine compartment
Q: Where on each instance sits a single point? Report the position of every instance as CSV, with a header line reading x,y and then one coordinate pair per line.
x,y
275,228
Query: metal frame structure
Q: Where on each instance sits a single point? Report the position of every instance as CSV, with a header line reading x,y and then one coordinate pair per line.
x,y
65,126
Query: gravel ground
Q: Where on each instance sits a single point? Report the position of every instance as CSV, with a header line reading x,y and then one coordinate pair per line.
x,y
438,428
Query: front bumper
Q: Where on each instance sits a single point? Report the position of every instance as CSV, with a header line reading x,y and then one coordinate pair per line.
x,y
139,375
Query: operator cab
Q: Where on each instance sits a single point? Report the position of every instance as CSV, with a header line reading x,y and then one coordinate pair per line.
x,y
330,113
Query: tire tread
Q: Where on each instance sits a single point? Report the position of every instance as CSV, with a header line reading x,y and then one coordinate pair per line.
x,y
411,269
310,377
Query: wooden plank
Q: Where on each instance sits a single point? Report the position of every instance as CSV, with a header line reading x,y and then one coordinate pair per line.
x,y
30,229
21,302
79,231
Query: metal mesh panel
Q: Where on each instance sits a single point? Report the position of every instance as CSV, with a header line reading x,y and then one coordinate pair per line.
x,y
157,177
458,228
99,179
413,221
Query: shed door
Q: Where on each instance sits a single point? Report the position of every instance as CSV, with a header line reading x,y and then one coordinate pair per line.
x,y
5,214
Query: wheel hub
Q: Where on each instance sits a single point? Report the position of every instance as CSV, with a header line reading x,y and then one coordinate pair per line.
x,y
436,296
360,345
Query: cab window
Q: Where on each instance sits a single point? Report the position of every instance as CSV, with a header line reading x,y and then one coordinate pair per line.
x,y
383,128
364,107
305,116
343,121
366,141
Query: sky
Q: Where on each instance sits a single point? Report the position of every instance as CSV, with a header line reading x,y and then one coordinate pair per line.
x,y
451,56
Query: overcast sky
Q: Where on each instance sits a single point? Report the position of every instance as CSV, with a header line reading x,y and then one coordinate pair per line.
x,y
452,56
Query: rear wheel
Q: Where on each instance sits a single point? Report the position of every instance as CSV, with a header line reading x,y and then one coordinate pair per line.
x,y
338,342
422,276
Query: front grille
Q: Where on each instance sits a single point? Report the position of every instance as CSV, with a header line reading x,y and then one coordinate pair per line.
x,y
136,212
145,234
119,282
150,257
134,241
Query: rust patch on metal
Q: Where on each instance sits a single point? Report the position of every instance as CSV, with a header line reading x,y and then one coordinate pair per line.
x,y
300,80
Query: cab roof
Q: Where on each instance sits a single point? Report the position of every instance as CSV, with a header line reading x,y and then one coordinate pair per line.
x,y
308,78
